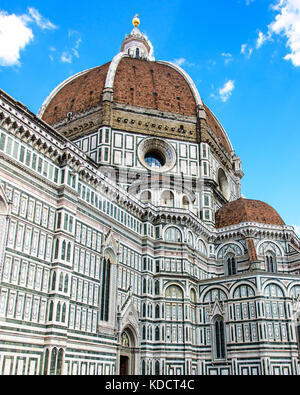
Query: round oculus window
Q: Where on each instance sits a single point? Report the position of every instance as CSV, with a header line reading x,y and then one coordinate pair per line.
x,y
156,154
155,159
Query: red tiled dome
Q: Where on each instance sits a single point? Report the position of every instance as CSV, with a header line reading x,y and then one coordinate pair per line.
x,y
137,82
79,94
246,210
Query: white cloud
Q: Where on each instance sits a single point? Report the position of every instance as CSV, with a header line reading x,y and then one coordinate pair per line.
x,y
179,61
42,22
226,91
246,50
287,24
227,56
261,39
15,34
67,56
182,61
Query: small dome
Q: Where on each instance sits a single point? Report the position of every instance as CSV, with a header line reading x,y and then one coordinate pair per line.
x,y
246,210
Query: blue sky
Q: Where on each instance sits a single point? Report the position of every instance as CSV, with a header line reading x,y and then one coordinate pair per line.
x,y
243,55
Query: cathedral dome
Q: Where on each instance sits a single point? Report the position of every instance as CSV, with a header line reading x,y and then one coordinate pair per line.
x,y
137,93
137,82
246,210
77,94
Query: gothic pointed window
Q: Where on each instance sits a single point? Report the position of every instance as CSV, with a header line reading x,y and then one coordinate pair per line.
x,y
270,263
61,278
156,287
156,368
56,249
63,250
59,362
46,360
63,314
104,312
157,333
58,312
157,314
66,283
50,314
69,252
53,281
219,338
53,361
144,333
231,265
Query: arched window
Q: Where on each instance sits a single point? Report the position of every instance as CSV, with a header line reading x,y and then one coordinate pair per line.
x,y
137,53
63,313
144,333
56,249
156,368
104,311
167,199
144,285
157,312
59,361
46,360
270,262
53,281
174,292
157,333
144,309
61,279
173,234
149,332
231,266
219,338
50,315
63,250
58,312
201,247
157,266
66,283
223,183
53,361
69,252
157,287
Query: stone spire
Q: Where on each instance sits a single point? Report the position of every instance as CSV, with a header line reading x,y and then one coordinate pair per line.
x,y
136,44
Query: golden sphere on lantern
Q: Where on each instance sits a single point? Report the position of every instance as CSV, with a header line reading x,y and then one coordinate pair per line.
x,y
136,21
